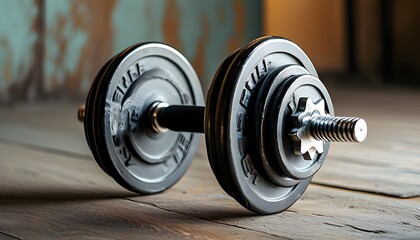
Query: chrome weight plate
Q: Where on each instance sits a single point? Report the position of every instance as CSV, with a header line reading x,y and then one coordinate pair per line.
x,y
228,132
136,156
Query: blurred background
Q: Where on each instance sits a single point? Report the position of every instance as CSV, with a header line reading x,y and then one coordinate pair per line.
x,y
366,51
52,49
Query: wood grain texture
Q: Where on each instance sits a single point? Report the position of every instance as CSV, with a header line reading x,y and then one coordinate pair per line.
x,y
52,196
388,162
46,195
48,126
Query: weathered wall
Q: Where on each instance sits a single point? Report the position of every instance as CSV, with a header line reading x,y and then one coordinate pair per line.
x,y
54,48
317,26
320,28
407,41
19,49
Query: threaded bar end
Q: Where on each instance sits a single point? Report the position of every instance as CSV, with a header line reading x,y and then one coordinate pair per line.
x,y
337,129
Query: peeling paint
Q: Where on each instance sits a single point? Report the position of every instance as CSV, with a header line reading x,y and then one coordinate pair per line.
x,y
199,60
171,25
17,40
81,35
63,43
98,47
204,33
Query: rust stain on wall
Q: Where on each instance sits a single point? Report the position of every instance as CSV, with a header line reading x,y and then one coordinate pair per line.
x,y
7,67
94,17
73,80
239,34
199,60
67,41
71,68
171,25
62,45
20,67
32,82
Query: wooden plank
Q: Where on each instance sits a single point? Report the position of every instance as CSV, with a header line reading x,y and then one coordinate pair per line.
x,y
52,196
47,195
110,219
321,213
7,237
388,161
49,126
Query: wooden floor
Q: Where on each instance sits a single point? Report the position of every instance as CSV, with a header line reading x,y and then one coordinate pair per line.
x,y
51,187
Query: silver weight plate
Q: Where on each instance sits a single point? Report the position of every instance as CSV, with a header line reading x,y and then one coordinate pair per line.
x,y
136,156
229,129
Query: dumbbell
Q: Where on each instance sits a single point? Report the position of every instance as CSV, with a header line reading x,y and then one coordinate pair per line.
x,y
268,121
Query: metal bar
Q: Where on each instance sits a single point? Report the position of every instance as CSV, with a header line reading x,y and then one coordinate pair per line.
x,y
182,118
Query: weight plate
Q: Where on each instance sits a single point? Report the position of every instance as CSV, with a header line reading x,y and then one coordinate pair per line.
x,y
222,174
89,119
229,129
281,124
274,82
136,156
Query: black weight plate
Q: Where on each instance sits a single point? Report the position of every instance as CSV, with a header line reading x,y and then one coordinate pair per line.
x,y
222,174
229,126
135,156
89,119
273,82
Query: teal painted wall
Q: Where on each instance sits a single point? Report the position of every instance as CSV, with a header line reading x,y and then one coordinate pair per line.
x,y
77,36
18,53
